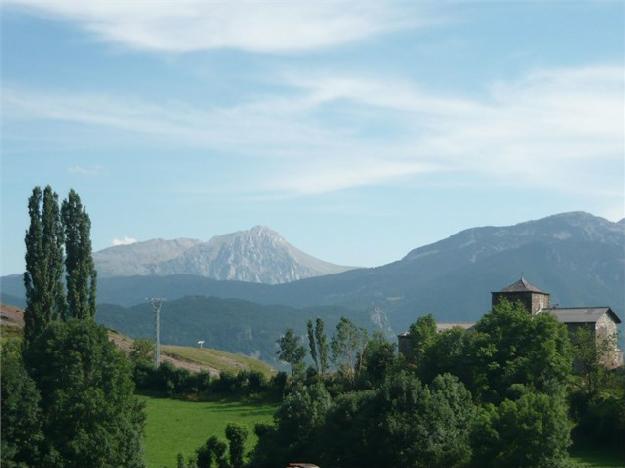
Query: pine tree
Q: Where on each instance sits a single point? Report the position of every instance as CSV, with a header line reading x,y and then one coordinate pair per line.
x,y
45,299
322,346
312,345
80,271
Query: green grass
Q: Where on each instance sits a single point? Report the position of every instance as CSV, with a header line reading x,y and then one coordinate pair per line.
x,y
177,426
220,360
597,458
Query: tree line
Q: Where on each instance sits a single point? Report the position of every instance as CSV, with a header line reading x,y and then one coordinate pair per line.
x,y
503,394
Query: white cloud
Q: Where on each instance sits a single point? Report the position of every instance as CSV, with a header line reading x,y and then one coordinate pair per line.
x,y
84,170
191,25
559,129
126,240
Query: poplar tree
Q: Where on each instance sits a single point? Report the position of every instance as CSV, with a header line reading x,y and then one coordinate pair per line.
x,y
312,345
322,346
45,299
79,268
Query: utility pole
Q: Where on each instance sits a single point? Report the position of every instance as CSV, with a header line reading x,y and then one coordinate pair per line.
x,y
156,305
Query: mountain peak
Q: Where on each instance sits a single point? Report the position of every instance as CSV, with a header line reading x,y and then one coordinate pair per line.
x,y
259,255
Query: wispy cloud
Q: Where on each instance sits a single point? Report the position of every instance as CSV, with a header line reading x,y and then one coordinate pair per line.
x,y
555,128
192,25
85,170
126,240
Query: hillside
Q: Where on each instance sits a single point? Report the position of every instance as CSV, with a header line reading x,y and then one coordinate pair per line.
x,y
193,359
227,324
257,255
577,257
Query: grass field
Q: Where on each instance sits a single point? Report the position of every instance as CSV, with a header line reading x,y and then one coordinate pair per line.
x,y
596,458
220,360
176,426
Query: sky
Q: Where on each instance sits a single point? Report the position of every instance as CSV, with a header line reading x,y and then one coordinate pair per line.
x,y
358,130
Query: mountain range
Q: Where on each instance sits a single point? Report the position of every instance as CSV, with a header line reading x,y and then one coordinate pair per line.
x,y
258,255
577,257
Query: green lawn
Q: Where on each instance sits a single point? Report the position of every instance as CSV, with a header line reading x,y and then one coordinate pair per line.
x,y
597,458
176,426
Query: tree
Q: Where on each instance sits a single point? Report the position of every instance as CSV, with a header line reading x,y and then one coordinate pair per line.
x,y
45,299
212,454
80,271
347,345
530,431
21,417
421,336
142,352
422,426
322,346
401,423
236,436
290,350
377,362
312,345
90,414
590,355
512,347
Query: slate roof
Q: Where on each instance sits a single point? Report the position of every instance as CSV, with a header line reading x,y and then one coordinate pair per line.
x,y
522,285
581,314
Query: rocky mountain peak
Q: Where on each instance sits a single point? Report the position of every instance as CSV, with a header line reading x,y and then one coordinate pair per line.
x,y
259,254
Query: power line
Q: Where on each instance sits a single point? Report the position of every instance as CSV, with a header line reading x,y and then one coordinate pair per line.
x,y
156,306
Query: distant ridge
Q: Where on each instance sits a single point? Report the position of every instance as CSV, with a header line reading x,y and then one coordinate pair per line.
x,y
577,257
258,255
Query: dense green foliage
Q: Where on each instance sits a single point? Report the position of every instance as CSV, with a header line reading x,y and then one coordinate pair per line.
x,y
79,269
22,436
45,299
67,394
492,396
90,416
178,382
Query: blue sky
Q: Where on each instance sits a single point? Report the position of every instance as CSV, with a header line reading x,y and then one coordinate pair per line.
x,y
357,130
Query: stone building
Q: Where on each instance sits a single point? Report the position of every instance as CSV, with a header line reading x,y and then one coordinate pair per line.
x,y
602,321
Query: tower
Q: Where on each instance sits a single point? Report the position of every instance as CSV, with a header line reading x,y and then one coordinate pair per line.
x,y
533,298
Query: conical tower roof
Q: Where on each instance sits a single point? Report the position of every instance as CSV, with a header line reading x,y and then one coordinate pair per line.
x,y
522,285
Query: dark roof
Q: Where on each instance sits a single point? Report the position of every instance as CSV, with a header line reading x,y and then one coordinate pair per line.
x,y
581,314
522,285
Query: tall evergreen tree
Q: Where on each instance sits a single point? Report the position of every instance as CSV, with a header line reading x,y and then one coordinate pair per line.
x,y
45,299
312,345
80,271
322,346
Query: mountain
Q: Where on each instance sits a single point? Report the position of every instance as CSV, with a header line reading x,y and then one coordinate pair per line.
x,y
138,258
258,255
577,257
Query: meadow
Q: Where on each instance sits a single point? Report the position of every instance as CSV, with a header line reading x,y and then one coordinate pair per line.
x,y
179,426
